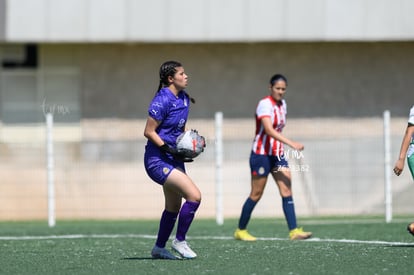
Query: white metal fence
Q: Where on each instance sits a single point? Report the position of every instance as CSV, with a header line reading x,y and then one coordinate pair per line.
x,y
101,175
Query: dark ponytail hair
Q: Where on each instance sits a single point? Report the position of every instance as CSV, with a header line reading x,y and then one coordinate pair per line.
x,y
167,69
275,78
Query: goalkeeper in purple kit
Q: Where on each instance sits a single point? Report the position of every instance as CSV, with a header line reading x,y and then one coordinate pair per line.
x,y
167,117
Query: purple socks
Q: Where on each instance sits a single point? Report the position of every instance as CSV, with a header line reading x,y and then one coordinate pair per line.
x,y
166,226
187,213
168,219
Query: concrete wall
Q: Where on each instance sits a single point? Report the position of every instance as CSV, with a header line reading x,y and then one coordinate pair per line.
x,y
325,79
119,80
2,20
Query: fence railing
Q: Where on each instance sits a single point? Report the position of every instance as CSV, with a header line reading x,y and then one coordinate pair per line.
x,y
101,175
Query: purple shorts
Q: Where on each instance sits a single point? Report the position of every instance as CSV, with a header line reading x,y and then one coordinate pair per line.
x,y
262,165
159,166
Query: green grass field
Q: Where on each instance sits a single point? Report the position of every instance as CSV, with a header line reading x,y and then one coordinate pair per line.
x,y
347,245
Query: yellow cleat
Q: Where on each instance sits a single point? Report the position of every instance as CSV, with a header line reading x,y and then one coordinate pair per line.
x,y
299,234
243,235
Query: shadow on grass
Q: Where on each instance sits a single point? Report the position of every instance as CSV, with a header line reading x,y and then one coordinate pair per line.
x,y
401,245
148,258
139,258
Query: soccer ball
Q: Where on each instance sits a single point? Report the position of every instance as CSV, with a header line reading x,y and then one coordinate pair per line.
x,y
410,228
190,143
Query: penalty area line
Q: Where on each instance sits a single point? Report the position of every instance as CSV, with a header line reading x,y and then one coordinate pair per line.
x,y
224,238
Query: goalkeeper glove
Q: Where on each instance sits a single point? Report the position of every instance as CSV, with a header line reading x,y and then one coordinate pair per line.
x,y
174,152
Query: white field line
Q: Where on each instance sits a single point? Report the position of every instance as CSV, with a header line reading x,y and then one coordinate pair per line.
x,y
142,236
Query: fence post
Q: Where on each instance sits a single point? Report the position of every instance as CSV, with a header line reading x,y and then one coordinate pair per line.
x,y
387,167
219,166
50,170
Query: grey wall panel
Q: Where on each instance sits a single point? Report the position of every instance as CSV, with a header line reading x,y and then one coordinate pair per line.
x,y
325,79
2,20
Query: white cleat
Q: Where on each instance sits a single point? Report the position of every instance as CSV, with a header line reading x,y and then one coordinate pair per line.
x,y
183,249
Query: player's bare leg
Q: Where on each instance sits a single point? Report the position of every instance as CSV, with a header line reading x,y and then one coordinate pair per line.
x,y
410,228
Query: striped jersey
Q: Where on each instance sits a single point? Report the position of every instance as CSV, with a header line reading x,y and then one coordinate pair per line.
x,y
262,143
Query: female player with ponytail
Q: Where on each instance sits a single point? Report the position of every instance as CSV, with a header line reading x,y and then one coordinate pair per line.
x,y
267,157
167,117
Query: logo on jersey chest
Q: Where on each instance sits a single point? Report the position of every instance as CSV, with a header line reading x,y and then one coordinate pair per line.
x,y
181,123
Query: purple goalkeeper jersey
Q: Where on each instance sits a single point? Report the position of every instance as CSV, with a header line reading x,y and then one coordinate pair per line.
x,y
172,113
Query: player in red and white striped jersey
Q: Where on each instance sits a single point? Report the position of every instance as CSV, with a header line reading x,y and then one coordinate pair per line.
x,y
268,157
265,144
